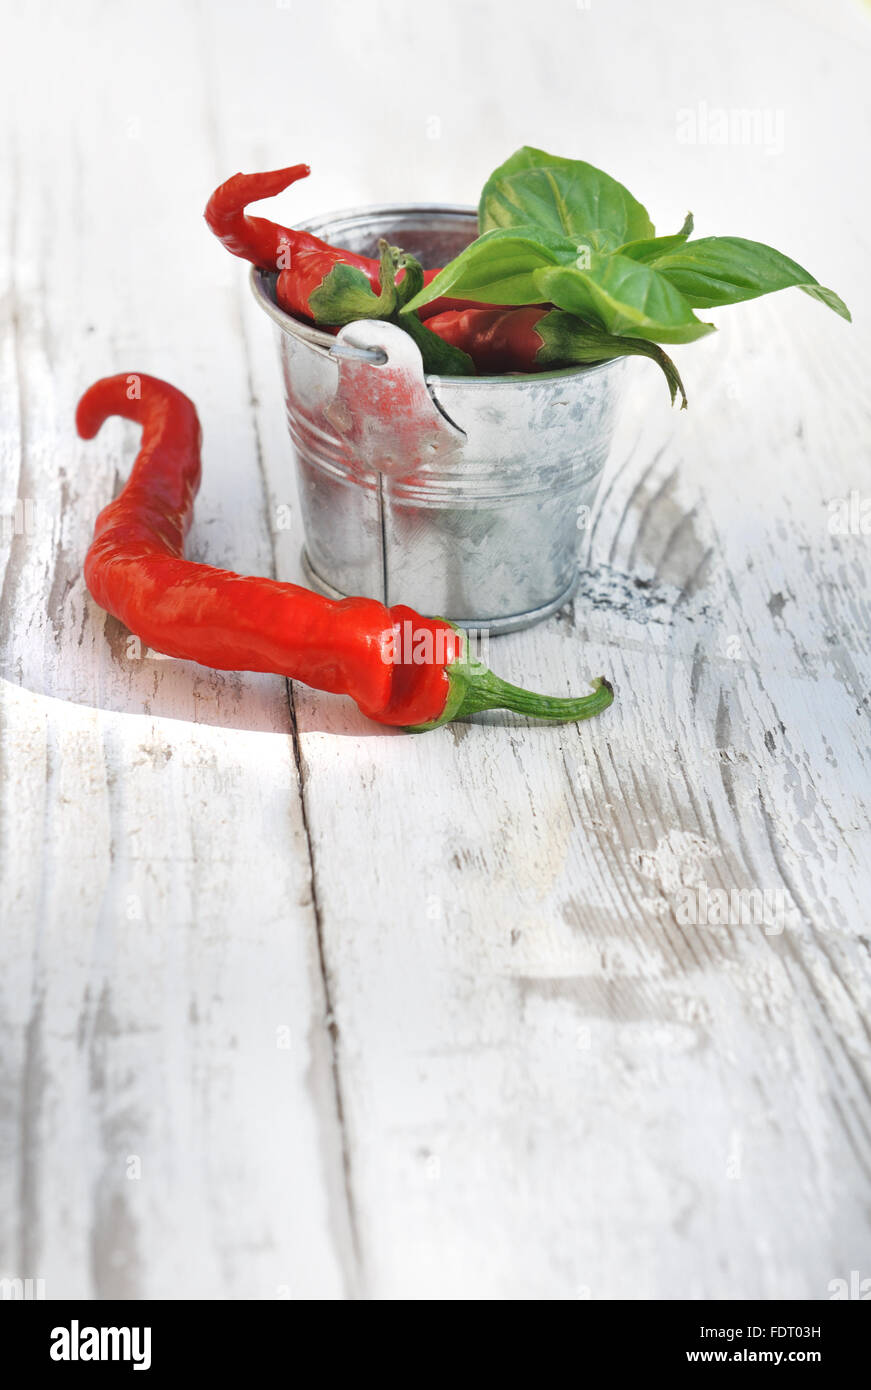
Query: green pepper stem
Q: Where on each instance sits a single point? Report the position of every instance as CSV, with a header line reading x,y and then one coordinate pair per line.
x,y
474,687
487,691
412,281
566,339
345,294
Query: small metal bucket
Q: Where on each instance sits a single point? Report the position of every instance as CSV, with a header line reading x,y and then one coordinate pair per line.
x,y
462,497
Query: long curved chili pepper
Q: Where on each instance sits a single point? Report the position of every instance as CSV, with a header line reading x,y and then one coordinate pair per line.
x,y
400,668
303,261
539,339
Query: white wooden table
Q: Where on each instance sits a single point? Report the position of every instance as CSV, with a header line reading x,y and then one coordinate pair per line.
x,y
294,1006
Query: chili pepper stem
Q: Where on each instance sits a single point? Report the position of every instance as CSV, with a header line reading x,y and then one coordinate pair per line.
x,y
566,338
474,687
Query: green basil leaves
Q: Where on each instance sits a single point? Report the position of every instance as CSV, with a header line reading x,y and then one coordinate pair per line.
x,y
625,297
728,269
621,295
500,267
565,197
558,231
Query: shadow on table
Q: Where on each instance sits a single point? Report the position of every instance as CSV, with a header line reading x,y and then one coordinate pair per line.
x,y
109,669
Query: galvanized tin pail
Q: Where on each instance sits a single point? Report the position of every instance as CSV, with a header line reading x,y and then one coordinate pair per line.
x,y
459,496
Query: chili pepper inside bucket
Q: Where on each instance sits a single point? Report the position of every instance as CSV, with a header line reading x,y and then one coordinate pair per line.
x,y
456,495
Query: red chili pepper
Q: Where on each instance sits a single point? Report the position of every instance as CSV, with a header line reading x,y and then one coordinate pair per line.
x,y
497,340
538,338
400,668
302,260
255,239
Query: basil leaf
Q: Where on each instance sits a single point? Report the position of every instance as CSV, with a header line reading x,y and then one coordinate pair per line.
x,y
727,270
625,297
499,268
649,248
829,298
563,196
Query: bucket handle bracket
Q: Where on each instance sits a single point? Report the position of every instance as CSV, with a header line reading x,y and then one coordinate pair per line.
x,y
383,408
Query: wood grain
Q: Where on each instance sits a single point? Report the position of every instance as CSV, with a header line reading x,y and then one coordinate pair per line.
x,y
424,1018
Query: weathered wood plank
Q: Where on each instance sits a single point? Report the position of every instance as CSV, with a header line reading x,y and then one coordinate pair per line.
x,y
513,1068
170,1120
555,1086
